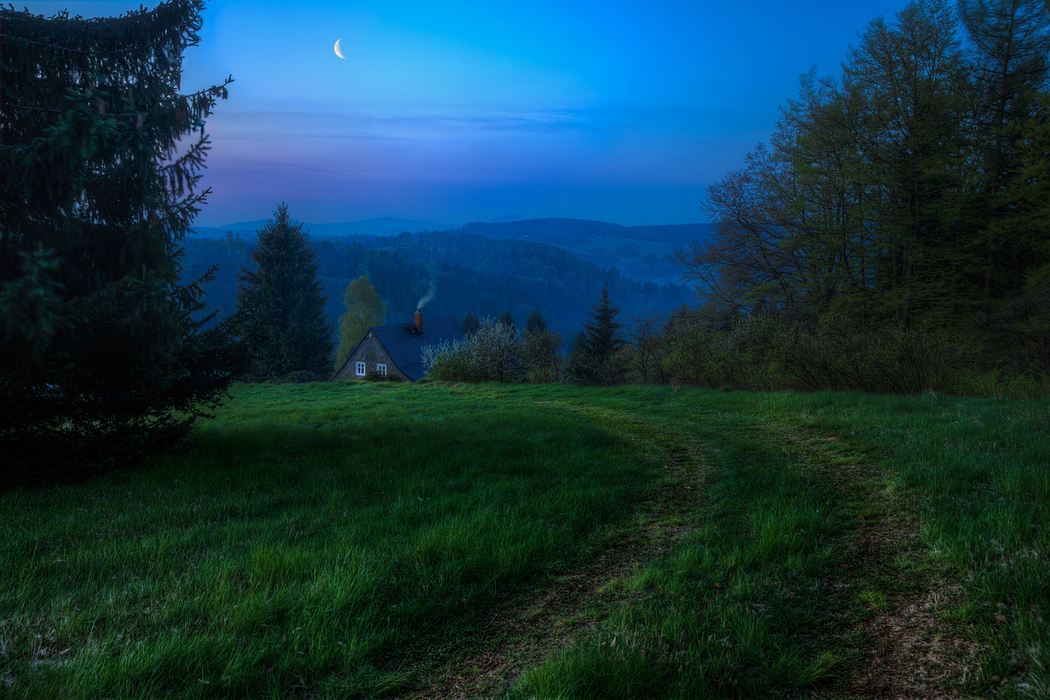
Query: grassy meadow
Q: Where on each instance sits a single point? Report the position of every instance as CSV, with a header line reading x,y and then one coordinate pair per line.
x,y
435,540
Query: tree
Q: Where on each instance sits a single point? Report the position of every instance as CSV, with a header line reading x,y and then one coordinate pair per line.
x,y
645,333
541,350
364,309
1011,46
595,353
101,361
471,324
507,320
535,322
859,203
284,320
920,101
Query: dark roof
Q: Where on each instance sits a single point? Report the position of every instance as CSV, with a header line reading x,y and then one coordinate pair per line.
x,y
405,345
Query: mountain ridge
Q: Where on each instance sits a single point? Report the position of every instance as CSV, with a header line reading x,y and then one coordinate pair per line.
x,y
554,230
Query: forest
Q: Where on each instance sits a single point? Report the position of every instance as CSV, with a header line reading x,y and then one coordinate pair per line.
x,y
899,211
911,190
464,272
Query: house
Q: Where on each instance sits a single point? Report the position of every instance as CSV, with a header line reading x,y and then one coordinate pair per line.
x,y
397,349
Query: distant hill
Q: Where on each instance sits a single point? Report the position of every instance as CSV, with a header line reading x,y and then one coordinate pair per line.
x,y
569,232
484,275
381,226
638,252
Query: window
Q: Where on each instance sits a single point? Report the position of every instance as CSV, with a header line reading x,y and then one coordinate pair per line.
x,y
360,369
381,369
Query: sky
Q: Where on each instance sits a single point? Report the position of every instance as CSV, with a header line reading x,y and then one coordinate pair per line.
x,y
620,111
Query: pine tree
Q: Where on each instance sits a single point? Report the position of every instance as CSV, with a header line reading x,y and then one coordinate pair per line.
x,y
283,311
594,354
100,359
364,309
471,324
535,322
507,320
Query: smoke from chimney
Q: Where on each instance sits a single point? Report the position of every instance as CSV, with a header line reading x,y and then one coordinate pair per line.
x,y
430,295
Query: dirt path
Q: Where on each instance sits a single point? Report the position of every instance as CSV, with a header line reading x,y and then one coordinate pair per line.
x,y
905,648
893,629
530,629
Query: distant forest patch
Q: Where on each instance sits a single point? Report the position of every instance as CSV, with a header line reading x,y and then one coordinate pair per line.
x,y
479,268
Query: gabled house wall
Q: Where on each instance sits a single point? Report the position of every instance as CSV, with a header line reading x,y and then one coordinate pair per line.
x,y
399,346
372,353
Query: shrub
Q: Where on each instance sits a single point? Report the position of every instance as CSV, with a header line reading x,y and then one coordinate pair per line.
x,y
493,353
827,354
892,359
699,355
1015,336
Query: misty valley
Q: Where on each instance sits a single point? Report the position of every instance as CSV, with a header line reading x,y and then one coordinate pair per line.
x,y
553,266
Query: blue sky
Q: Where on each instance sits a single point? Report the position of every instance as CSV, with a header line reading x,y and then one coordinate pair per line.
x,y
463,111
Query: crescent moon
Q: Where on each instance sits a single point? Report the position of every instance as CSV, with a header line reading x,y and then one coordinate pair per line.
x,y
338,51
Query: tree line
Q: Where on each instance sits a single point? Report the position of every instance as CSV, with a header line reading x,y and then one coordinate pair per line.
x,y
910,194
913,189
493,350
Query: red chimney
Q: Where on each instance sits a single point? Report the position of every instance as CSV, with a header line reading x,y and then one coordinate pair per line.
x,y
419,322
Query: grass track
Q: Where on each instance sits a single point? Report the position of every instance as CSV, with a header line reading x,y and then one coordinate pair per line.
x,y
356,540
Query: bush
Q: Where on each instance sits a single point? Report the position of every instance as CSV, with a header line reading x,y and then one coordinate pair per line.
x,y
447,362
838,356
377,376
493,354
829,354
1015,336
699,355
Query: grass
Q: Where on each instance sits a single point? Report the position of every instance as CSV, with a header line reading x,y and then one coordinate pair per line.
x,y
348,540
312,536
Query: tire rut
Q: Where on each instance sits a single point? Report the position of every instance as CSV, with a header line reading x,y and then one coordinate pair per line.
x,y
906,649
525,632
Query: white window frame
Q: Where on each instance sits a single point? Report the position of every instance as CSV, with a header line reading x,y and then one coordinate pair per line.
x,y
381,368
360,368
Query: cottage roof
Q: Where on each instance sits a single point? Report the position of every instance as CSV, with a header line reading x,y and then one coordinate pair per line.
x,y
404,344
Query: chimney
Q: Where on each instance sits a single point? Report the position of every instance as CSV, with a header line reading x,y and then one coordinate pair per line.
x,y
419,322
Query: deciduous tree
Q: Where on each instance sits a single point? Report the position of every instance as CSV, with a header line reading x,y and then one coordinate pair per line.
x,y
644,332
364,309
507,320
494,353
542,348
535,322
1011,50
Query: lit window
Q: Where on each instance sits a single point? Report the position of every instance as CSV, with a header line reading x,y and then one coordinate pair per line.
x,y
382,369
360,369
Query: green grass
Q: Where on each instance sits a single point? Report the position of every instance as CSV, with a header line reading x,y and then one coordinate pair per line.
x,y
338,540
312,538
737,609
